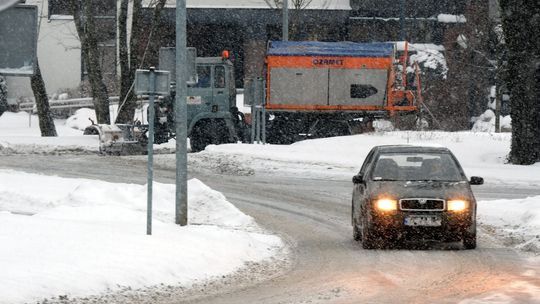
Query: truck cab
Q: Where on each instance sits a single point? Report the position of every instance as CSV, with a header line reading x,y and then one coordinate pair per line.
x,y
211,104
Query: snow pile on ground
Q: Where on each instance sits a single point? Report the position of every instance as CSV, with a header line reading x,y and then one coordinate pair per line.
x,y
480,154
516,221
77,237
81,119
19,133
486,122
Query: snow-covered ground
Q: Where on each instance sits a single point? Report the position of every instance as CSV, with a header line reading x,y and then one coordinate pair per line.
x,y
103,215
77,237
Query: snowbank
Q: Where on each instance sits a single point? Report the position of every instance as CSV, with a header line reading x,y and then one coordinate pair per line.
x,y
516,221
486,122
481,154
78,237
258,4
19,133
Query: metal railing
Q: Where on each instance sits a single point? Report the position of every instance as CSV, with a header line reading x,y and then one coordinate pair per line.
x,y
65,103
74,103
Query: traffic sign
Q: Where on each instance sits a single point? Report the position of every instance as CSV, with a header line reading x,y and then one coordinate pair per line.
x,y
18,40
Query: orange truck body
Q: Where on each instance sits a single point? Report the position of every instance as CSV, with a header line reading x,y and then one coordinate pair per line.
x,y
299,74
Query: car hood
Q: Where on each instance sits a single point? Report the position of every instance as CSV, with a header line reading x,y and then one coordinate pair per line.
x,y
421,189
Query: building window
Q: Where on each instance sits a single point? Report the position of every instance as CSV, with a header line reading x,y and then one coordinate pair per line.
x,y
105,23
59,9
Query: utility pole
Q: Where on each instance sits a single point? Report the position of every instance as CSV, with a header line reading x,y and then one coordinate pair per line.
x,y
181,115
285,36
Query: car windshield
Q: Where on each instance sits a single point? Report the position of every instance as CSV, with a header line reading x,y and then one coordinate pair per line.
x,y
416,167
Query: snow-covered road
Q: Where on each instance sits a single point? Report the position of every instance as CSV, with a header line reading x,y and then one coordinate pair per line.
x,y
329,267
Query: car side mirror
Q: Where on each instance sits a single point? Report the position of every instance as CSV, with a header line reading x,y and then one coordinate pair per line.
x,y
476,180
358,179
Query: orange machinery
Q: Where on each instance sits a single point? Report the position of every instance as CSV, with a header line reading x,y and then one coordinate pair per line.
x,y
331,77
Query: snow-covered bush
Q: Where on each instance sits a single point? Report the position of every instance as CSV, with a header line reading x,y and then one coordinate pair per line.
x,y
486,122
81,119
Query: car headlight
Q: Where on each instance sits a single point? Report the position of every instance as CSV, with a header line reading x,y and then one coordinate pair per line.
x,y
457,205
386,204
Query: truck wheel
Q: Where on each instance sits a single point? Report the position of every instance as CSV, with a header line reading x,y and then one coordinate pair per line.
x,y
469,241
198,139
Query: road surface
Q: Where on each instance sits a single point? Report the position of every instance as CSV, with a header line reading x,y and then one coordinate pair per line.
x,y
329,267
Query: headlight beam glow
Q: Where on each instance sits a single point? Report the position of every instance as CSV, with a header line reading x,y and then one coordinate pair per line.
x,y
457,205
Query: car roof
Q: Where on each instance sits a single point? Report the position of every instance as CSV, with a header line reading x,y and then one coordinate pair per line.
x,y
411,149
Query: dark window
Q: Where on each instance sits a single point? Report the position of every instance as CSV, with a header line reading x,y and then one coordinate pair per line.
x,y
219,77
102,8
59,8
105,29
362,90
203,75
105,8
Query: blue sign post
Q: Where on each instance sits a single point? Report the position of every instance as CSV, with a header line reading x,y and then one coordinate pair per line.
x,y
153,83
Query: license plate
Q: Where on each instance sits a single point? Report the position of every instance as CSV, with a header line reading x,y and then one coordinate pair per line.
x,y
423,220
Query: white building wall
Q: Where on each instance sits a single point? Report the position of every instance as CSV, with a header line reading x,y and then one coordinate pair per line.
x,y
59,56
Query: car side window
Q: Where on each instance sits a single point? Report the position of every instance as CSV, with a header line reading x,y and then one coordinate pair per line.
x,y
367,162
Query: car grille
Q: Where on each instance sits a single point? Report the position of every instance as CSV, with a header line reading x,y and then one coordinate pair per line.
x,y
421,204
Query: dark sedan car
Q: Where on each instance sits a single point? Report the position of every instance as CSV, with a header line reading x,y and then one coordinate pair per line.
x,y
413,193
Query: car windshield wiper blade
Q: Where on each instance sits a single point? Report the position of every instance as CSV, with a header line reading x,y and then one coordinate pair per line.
x,y
385,180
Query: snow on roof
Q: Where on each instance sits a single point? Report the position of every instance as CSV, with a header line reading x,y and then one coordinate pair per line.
x,y
448,18
342,49
258,4
400,45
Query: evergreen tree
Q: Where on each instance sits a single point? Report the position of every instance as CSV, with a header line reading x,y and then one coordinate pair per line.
x,y
521,25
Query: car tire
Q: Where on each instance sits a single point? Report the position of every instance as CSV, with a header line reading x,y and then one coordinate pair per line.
x,y
368,237
469,241
357,235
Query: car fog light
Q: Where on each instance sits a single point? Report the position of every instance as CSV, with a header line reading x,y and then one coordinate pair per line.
x,y
457,205
385,204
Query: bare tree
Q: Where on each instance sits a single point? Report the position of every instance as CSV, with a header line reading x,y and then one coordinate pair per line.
x,y
46,122
298,6
83,15
133,59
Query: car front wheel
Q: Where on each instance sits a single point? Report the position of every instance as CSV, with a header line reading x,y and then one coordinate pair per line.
x,y
368,237
469,241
